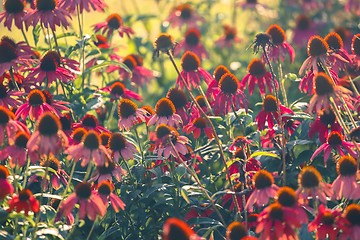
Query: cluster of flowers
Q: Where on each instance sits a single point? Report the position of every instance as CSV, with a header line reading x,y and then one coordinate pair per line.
x,y
38,130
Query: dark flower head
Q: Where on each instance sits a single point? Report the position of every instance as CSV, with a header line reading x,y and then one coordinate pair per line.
x,y
355,44
114,21
317,46
190,61
192,37
277,34
14,6
164,43
334,41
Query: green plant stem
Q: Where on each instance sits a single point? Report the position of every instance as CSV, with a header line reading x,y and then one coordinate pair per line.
x,y
217,139
56,42
282,84
205,99
140,146
24,35
92,229
352,83
111,114
196,178
88,171
11,71
280,123
25,171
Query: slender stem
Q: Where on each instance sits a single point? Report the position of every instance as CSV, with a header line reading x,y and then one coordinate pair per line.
x,y
217,139
352,83
24,35
140,146
88,171
194,175
206,100
25,172
280,124
111,114
282,84
92,229
56,42
11,71
74,227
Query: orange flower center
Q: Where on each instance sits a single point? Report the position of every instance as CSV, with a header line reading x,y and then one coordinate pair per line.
x,y
36,97
269,104
83,190
117,89
49,124
163,130
130,62
334,41
46,5
5,116
4,172
200,123
89,121
190,62
276,212
104,137
328,218
263,179
239,153
177,97
220,71
139,60
192,37
50,62
127,108
14,6
201,101
65,121
51,162
7,49
149,109
105,188
185,11
352,214
24,195
317,46
164,42
286,196
277,34
176,229
91,140
106,168
324,85
346,166
257,68
114,21
165,108
78,134
335,139
229,84
236,230
117,142
21,139
309,177
327,117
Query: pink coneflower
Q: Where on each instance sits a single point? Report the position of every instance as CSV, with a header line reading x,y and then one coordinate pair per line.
x,y
213,89
118,90
34,107
304,29
191,43
57,176
181,103
257,74
69,218
287,198
165,114
352,228
184,14
307,83
108,171
325,122
229,96
175,228
88,149
336,45
87,5
277,222
325,88
311,186
13,55
48,138
197,126
66,122
252,4
17,152
9,98
24,201
335,140
48,14
355,49
192,73
150,112
229,39
352,6
327,223
105,192
265,189
269,113
139,74
280,48
90,122
77,135
8,126
162,145
53,67
164,43
130,114
120,147
113,23
14,12
345,185
6,187
57,105
90,204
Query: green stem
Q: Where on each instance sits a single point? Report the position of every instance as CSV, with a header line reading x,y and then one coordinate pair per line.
x,y
140,147
56,42
11,71
352,83
24,35
25,172
206,100
88,171
282,83
92,229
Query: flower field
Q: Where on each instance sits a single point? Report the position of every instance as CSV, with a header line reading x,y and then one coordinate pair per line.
x,y
174,120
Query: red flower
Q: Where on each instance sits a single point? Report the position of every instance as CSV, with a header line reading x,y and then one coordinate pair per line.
x,y
24,201
5,187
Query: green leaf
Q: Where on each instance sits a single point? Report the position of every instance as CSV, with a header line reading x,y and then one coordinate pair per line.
x,y
105,64
50,231
36,34
266,154
185,196
5,235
